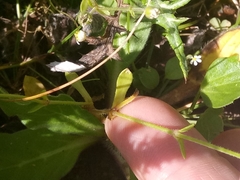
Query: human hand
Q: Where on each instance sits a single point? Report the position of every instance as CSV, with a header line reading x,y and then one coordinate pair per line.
x,y
152,154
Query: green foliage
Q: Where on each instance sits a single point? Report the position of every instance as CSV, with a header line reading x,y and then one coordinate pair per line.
x,y
218,24
221,84
122,85
146,78
173,70
210,123
57,117
79,86
39,154
58,128
170,23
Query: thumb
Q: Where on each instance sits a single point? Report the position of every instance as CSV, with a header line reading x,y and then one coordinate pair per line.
x,y
152,154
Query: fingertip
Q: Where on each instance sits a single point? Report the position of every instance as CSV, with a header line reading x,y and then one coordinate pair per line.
x,y
152,154
230,140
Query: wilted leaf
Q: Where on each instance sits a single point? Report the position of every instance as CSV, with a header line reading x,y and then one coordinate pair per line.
x,y
225,45
32,86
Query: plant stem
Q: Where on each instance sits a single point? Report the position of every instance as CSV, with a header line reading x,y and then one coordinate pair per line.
x,y
18,98
208,145
178,135
148,124
18,11
123,9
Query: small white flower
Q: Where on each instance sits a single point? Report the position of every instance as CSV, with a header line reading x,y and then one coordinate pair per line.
x,y
195,60
152,12
80,36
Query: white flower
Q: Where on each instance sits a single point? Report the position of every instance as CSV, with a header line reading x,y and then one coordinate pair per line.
x,y
195,60
152,12
80,36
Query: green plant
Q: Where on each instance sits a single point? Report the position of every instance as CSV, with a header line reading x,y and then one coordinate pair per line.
x,y
58,128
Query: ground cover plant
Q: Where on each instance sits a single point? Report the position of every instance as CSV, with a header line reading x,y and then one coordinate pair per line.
x,y
181,51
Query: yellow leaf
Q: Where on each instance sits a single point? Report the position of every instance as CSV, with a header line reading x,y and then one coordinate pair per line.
x,y
32,86
225,45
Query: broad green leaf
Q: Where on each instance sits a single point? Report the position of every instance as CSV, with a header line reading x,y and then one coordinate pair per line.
x,y
123,83
57,117
147,77
221,84
210,123
136,43
173,70
170,23
171,5
39,154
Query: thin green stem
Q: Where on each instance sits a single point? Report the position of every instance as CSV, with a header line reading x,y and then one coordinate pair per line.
x,y
196,98
148,124
17,98
79,87
34,59
208,145
178,135
123,9
55,47
39,74
18,11
28,9
50,2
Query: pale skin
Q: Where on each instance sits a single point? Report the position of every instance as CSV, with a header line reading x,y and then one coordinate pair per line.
x,y
154,155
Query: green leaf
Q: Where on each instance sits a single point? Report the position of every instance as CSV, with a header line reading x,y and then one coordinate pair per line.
x,y
32,86
78,86
173,70
210,123
39,154
84,6
182,147
123,83
130,51
221,84
218,24
148,77
170,23
57,117
171,5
